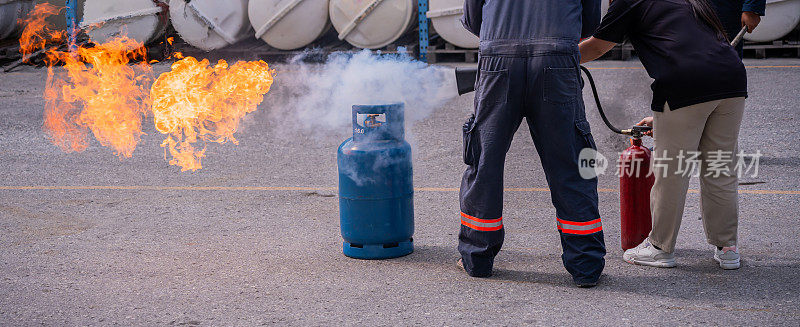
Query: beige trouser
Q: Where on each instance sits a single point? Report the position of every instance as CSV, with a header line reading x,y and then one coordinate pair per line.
x,y
709,131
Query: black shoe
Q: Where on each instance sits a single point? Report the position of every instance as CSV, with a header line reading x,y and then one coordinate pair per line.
x,y
460,264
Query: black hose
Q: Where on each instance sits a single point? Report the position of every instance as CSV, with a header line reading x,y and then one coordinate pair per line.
x,y
597,102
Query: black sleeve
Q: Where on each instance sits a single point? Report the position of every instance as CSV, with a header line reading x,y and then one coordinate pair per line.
x,y
617,22
591,17
473,14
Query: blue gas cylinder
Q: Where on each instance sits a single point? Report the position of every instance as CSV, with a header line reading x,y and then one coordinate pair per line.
x,y
376,193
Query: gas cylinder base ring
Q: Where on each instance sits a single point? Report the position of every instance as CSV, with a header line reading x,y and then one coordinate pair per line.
x,y
378,251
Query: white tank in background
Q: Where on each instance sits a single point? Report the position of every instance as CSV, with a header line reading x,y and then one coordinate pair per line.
x,y
289,24
445,15
782,16
140,20
372,24
11,12
210,24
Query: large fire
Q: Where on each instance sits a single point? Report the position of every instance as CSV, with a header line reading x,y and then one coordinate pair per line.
x,y
196,101
103,92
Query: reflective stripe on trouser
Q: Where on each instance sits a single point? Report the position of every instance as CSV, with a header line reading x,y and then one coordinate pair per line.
x,y
542,85
484,225
579,228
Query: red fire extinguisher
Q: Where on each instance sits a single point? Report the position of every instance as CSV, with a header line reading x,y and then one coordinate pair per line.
x,y
635,180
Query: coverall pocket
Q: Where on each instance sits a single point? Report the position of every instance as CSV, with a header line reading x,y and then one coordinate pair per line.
x,y
561,85
491,87
491,94
469,142
585,132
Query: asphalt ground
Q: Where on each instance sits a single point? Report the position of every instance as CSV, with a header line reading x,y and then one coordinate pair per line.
x,y
253,238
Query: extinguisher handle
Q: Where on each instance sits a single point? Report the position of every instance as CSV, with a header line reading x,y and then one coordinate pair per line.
x,y
637,131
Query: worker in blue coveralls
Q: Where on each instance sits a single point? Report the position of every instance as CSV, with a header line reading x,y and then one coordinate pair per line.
x,y
528,68
734,14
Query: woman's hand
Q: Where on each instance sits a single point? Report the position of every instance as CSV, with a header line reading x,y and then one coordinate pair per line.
x,y
647,121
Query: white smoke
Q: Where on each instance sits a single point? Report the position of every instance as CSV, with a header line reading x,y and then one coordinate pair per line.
x,y
320,97
316,99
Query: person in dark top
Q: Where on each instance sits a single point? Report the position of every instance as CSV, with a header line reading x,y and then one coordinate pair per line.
x,y
698,101
733,14
529,69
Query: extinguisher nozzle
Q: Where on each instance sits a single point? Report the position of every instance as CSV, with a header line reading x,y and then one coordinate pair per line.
x,y
465,79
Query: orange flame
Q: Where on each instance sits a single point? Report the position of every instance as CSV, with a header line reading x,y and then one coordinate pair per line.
x,y
38,32
106,96
196,101
102,92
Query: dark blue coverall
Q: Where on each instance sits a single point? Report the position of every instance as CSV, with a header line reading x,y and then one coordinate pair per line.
x,y
730,15
529,69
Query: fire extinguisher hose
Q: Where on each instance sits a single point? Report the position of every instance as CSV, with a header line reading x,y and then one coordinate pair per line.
x,y
597,102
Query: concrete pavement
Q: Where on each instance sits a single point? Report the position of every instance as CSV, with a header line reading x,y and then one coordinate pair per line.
x,y
253,238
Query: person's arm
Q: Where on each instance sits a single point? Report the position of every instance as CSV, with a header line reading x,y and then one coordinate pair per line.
x,y
752,10
613,30
473,15
594,48
590,17
755,6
